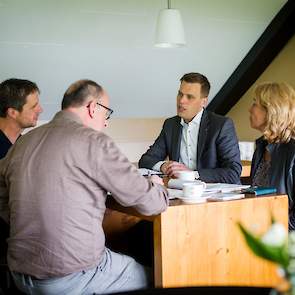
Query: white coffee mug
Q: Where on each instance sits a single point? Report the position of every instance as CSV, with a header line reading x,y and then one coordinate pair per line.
x,y
192,190
186,175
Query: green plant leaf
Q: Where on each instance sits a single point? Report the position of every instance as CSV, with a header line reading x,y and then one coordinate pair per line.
x,y
273,253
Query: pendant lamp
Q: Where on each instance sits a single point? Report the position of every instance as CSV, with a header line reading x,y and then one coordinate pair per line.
x,y
169,30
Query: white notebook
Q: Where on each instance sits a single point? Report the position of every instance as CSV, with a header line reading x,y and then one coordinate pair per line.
x,y
148,172
210,187
225,197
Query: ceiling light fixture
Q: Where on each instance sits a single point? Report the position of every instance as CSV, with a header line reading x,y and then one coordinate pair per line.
x,y
169,30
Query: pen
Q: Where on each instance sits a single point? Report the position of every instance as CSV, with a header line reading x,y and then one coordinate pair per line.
x,y
149,174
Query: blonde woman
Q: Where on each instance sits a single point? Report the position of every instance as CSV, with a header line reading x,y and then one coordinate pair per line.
x,y
273,163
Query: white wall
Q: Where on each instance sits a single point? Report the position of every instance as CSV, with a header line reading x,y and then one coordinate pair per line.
x,y
111,41
132,136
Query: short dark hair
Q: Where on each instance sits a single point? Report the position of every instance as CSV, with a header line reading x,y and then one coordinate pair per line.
x,y
197,78
13,94
77,94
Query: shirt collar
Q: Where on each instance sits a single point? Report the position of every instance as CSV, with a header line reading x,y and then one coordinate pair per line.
x,y
196,120
67,115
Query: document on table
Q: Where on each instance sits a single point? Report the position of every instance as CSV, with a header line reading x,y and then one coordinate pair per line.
x,y
209,196
148,172
224,187
225,197
210,187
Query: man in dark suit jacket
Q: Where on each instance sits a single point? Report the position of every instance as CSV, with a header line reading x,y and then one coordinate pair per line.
x,y
196,139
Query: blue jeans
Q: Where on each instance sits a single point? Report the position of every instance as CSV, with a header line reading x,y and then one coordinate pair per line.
x,y
115,272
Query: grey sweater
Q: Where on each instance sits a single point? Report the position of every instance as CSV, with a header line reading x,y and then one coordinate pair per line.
x,y
53,187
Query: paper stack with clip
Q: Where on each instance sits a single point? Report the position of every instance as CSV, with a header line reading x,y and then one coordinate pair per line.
x,y
225,197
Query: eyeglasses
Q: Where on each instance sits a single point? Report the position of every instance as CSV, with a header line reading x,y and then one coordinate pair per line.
x,y
109,111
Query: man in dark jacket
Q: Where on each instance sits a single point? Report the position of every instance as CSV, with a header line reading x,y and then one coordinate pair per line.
x,y
196,139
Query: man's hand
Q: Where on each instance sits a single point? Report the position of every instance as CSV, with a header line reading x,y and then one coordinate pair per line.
x,y
164,167
171,168
156,179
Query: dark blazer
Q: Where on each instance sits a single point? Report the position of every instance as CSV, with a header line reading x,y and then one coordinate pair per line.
x,y
282,170
218,155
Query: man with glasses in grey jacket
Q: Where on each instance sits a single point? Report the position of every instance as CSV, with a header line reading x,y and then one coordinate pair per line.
x,y
55,180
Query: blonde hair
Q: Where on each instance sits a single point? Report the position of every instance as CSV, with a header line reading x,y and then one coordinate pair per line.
x,y
278,99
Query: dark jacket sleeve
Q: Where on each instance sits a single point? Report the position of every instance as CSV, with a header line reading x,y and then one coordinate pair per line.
x,y
156,152
228,168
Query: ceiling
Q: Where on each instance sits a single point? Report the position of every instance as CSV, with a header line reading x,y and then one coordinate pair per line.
x,y
111,41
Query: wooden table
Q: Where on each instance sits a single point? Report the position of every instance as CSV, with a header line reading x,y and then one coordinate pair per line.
x,y
200,244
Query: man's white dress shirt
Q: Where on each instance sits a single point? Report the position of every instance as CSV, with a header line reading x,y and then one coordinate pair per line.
x,y
189,143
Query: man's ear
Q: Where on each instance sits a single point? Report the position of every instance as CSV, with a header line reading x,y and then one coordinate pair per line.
x,y
91,108
205,101
12,113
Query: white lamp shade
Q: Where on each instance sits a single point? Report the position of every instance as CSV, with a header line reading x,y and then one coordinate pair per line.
x,y
169,30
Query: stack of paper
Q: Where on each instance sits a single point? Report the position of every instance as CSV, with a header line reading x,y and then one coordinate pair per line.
x,y
148,172
224,187
225,197
210,187
207,196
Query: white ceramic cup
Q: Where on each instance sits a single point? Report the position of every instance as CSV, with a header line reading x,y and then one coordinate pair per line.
x,y
186,175
193,190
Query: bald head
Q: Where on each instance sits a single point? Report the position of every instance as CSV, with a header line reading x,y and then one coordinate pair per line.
x,y
80,92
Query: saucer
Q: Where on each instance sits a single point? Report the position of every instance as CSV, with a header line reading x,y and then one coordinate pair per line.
x,y
193,200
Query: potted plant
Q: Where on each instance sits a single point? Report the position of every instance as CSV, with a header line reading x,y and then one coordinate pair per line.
x,y
277,246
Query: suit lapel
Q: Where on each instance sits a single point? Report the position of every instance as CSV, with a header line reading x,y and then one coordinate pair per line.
x,y
176,140
204,125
